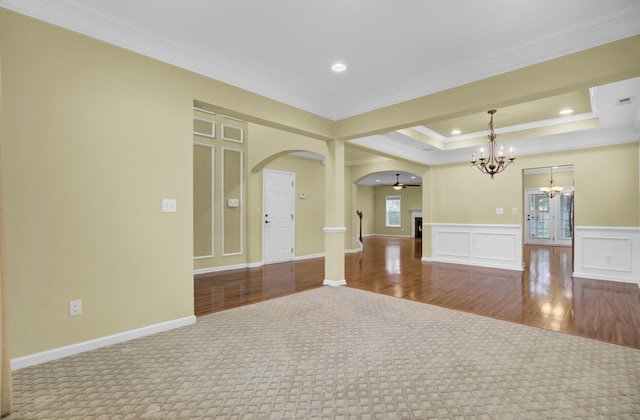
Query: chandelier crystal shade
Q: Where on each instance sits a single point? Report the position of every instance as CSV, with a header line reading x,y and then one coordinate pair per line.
x,y
495,163
551,190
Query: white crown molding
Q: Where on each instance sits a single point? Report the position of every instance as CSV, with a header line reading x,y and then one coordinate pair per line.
x,y
135,40
580,139
619,25
380,143
623,24
573,140
509,129
636,121
429,132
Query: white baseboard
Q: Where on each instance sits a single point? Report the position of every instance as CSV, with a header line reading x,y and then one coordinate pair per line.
x,y
60,352
261,263
308,257
587,275
208,270
334,283
360,246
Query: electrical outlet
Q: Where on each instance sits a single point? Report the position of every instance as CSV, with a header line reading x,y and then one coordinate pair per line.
x,y
169,205
75,307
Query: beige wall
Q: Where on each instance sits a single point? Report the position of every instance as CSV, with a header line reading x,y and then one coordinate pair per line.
x,y
372,198
232,217
92,146
537,180
603,197
203,171
461,194
267,146
365,202
94,137
606,183
410,198
227,176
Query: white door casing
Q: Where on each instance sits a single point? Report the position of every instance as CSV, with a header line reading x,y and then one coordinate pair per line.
x,y
278,192
546,218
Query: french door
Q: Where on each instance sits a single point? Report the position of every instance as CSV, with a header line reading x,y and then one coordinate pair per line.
x,y
549,221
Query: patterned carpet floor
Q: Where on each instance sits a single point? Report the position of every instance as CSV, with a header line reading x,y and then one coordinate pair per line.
x,y
338,353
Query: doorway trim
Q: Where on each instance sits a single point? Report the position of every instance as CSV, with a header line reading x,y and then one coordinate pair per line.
x,y
555,218
266,173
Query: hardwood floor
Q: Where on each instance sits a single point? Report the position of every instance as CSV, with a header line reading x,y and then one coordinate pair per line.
x,y
544,295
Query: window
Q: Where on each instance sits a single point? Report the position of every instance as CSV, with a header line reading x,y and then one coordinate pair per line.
x,y
393,211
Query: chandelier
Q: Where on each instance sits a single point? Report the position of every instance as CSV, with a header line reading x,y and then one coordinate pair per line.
x,y
551,190
495,163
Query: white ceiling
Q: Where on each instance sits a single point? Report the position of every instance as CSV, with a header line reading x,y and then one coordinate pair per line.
x,y
395,51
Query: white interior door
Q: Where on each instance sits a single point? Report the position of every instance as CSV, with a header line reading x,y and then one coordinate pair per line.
x,y
548,220
278,216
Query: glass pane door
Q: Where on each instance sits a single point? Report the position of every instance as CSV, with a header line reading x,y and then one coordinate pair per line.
x,y
538,219
549,220
565,217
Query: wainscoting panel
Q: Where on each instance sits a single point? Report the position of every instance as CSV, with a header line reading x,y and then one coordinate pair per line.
x,y
607,253
497,246
450,243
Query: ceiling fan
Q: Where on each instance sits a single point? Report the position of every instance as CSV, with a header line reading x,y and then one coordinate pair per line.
x,y
398,185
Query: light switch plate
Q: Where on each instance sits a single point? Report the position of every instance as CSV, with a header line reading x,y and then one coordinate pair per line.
x,y
499,210
168,205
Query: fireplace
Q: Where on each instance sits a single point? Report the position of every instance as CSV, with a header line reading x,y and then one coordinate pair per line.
x,y
417,222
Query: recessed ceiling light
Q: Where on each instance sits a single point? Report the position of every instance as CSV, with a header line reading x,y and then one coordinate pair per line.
x,y
413,177
455,132
339,67
377,180
566,111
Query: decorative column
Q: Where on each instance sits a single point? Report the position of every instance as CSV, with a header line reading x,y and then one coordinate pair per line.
x,y
334,230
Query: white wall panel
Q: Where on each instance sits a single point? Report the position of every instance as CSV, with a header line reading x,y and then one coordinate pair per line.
x,y
452,243
498,246
607,253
